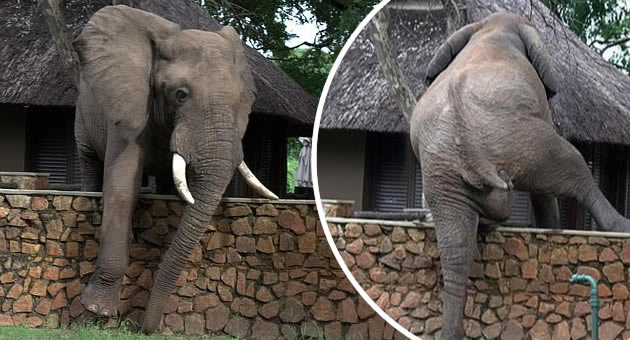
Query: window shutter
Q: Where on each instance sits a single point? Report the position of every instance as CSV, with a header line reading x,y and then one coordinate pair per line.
x,y
520,209
76,163
390,182
51,145
267,164
563,206
264,148
51,155
594,164
417,186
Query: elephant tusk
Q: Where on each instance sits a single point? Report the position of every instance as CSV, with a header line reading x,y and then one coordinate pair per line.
x,y
254,182
179,177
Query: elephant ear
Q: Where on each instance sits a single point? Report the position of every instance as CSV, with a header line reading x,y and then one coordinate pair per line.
x,y
117,51
539,57
448,50
245,87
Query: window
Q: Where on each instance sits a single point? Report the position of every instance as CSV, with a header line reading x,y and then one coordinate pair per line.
x,y
265,152
393,176
51,147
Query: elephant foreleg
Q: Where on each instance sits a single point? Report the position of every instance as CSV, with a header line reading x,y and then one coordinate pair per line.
x,y
546,211
456,230
91,165
122,176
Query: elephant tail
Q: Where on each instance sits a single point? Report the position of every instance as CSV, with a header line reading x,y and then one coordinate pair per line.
x,y
482,174
476,169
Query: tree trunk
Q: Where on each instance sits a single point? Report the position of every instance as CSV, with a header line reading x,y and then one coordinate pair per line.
x,y
379,34
455,18
54,19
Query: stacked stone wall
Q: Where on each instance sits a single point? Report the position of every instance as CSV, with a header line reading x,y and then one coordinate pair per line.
x,y
262,271
520,283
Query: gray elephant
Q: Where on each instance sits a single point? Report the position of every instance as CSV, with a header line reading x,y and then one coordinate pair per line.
x,y
483,128
149,92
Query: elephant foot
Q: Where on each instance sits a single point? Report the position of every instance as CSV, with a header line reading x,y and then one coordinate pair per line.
x,y
101,299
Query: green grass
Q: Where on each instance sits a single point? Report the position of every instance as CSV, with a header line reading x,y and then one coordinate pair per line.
x,y
85,333
92,331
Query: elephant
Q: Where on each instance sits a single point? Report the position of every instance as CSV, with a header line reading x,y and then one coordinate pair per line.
x,y
153,95
483,129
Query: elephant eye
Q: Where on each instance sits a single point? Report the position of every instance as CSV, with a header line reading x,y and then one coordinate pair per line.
x,y
181,95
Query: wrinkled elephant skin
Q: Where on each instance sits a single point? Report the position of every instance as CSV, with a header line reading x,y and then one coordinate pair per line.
x,y
484,128
151,94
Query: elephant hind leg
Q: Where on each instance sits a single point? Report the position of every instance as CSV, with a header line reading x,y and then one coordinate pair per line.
x,y
546,211
456,231
553,166
91,168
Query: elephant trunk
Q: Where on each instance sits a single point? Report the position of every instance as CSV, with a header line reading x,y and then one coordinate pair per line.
x,y
211,174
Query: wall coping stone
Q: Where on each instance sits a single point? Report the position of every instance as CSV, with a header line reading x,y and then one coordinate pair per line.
x,y
333,201
16,173
151,196
344,220
489,227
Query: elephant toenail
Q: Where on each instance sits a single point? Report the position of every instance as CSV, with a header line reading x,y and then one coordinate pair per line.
x,y
92,308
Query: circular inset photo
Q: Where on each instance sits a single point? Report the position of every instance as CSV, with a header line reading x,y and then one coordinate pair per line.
x,y
472,166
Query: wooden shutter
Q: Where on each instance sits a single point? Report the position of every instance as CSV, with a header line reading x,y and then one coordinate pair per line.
x,y
51,156
388,177
520,213
417,185
265,152
563,206
51,146
75,163
594,164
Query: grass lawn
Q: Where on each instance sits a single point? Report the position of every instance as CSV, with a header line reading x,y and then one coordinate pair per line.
x,y
83,333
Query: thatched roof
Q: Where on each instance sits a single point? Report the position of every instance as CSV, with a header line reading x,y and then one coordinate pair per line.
x,y
592,105
31,71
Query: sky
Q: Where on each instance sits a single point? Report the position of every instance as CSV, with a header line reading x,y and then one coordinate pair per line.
x,y
304,32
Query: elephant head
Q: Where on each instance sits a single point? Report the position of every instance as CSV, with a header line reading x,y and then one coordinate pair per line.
x,y
530,43
191,88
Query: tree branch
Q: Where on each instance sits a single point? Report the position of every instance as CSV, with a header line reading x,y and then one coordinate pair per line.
x,y
379,32
54,19
613,43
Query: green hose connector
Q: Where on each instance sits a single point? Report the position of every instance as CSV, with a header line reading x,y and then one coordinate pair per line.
x,y
594,300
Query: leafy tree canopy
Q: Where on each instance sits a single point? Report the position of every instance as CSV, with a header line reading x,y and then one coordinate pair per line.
x,y
263,25
602,24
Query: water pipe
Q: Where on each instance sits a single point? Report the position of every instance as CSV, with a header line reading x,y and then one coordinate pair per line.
x,y
594,300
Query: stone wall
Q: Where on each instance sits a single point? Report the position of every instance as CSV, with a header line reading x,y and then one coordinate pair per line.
x,y
24,180
262,271
520,287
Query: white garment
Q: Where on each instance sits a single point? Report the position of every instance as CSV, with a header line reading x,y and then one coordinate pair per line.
x,y
303,175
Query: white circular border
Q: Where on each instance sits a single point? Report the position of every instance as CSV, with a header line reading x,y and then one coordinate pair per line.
x,y
320,208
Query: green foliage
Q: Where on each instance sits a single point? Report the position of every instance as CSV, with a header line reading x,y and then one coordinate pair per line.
x,y
602,24
308,67
263,25
293,152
